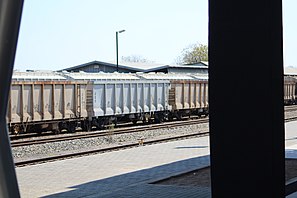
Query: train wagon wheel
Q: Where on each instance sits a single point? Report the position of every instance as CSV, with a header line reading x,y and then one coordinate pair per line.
x,y
86,126
16,129
170,117
146,118
159,118
179,116
56,131
115,122
144,121
71,127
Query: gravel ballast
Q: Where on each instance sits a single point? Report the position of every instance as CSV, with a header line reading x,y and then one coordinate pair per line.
x,y
84,144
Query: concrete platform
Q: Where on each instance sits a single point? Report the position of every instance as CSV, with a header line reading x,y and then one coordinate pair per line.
x,y
291,145
128,173
291,140
124,173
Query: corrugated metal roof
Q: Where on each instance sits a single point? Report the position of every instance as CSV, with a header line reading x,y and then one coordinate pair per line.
x,y
136,67
140,66
195,66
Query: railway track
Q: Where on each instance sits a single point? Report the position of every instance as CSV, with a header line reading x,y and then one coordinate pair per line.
x,y
44,134
84,153
290,108
115,132
107,132
120,131
291,119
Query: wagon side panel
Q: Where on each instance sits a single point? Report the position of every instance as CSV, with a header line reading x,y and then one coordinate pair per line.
x,y
27,103
192,95
146,97
15,100
83,101
70,94
37,106
206,94
179,98
110,99
153,97
117,99
161,89
58,101
127,100
99,99
134,98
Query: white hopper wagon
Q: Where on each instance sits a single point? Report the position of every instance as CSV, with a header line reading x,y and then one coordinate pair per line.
x,y
115,98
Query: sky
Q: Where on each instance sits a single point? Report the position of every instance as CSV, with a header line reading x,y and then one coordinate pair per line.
x,y
57,34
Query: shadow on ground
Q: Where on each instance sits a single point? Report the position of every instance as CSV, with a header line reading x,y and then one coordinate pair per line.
x,y
136,184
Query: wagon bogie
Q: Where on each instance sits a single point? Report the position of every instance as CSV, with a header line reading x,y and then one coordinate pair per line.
x,y
86,125
56,126
160,117
71,127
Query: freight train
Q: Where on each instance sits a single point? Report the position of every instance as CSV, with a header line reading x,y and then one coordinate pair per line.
x,y
290,92
56,101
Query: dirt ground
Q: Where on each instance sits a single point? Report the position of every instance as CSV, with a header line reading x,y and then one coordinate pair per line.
x,y
201,177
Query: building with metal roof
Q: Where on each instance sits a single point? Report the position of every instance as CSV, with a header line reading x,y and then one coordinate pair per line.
x,y
108,67
190,68
133,67
290,71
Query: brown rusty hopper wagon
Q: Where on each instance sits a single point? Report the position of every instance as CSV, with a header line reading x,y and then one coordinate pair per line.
x,y
45,101
289,90
188,94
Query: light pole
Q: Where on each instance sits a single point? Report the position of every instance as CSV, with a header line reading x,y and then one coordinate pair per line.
x,y
118,47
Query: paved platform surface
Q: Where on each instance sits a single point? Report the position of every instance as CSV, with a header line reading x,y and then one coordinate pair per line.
x,y
128,173
124,173
291,145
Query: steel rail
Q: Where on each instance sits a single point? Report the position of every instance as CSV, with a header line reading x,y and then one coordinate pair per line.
x,y
101,150
291,108
107,132
115,132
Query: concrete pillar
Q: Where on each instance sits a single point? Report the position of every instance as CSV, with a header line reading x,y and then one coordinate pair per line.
x,y
246,98
10,17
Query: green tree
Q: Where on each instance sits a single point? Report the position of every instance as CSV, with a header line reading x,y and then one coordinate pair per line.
x,y
193,54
